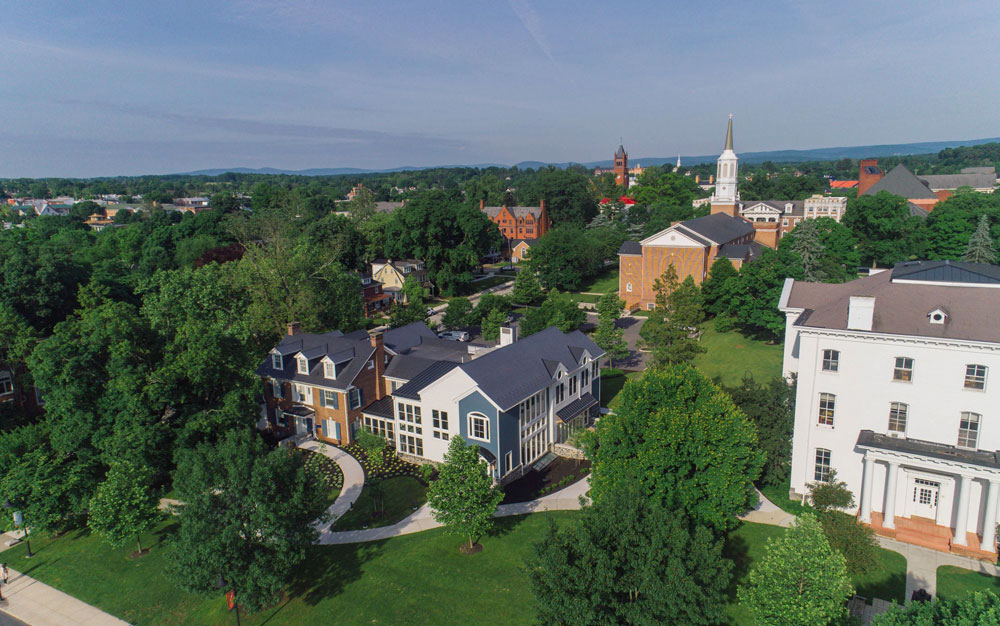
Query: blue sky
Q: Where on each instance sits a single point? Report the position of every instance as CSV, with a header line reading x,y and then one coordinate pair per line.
x,y
106,87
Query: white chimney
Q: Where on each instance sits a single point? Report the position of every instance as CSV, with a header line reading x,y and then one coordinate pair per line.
x,y
508,335
860,313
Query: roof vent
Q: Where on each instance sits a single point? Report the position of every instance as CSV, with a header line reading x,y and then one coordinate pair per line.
x,y
861,313
937,316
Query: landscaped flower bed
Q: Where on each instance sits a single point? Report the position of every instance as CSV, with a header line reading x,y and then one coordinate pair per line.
x,y
324,468
391,465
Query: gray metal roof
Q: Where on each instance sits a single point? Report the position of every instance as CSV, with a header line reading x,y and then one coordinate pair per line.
x,y
947,271
512,373
718,227
901,182
576,407
401,339
954,181
916,210
405,366
417,384
739,251
380,408
982,458
630,247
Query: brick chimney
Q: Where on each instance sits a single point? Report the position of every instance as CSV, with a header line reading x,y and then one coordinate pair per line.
x,y
869,173
541,204
293,327
378,342
482,204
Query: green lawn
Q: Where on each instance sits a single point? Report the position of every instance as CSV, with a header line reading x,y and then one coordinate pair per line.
x,y
605,282
410,580
955,582
612,381
401,496
486,283
730,355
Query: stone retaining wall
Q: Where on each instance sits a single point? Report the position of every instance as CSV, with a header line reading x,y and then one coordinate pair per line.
x,y
567,451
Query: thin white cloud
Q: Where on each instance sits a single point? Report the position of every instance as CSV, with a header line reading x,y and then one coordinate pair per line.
x,y
532,23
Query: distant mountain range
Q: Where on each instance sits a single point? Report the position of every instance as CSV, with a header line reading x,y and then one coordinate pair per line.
x,y
778,156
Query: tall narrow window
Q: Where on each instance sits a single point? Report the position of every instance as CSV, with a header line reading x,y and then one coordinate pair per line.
x,y
276,389
968,430
897,417
827,404
276,362
831,360
903,370
975,377
822,470
329,370
303,365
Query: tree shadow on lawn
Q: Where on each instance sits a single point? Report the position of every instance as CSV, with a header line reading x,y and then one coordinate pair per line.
x,y
505,525
327,570
737,550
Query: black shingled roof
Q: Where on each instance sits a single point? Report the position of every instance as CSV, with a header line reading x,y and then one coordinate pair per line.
x,y
413,388
718,227
630,247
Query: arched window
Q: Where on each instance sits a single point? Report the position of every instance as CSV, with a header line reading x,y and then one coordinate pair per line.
x,y
479,426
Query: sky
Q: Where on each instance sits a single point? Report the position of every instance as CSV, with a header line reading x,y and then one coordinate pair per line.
x,y
105,88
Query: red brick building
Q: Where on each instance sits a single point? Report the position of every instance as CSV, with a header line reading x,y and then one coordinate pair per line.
x,y
518,223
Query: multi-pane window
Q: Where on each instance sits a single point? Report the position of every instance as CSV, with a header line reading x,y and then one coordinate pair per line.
x,y
595,369
439,420
903,370
822,470
276,389
827,404
584,378
975,377
409,418
831,360
560,392
303,365
329,370
276,362
897,417
572,385
479,426
354,396
329,399
379,427
968,430
6,385
302,393
531,409
411,445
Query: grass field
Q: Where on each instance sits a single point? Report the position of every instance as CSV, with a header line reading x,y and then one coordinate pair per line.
x,y
401,495
730,355
955,582
605,282
418,579
612,381
486,283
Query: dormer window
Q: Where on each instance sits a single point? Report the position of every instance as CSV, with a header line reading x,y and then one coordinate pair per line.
x,y
937,316
303,365
277,362
329,370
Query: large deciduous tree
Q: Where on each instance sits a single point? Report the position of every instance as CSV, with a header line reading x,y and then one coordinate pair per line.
x,y
974,609
755,302
569,198
683,441
248,517
800,580
526,289
457,312
670,330
629,560
124,505
883,226
463,497
565,257
831,249
609,337
556,310
771,407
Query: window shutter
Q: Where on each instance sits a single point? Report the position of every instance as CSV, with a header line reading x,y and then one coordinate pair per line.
x,y
322,426
361,396
336,430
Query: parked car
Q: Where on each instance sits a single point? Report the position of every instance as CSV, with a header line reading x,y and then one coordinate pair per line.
x,y
455,335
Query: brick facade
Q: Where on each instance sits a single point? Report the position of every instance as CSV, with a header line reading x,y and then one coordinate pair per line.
x,y
519,222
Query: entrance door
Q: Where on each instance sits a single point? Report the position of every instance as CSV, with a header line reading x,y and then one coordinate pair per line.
x,y
925,498
304,426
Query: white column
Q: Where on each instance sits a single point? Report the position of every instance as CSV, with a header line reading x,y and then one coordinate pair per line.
x,y
962,521
866,490
990,520
889,510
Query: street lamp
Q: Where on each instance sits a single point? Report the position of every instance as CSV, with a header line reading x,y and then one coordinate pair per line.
x,y
19,521
222,584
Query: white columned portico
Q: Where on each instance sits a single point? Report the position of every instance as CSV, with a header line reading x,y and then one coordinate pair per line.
x,y
962,520
889,510
990,521
866,490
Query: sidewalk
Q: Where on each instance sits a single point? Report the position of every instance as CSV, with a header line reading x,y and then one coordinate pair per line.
x,y
37,604
354,481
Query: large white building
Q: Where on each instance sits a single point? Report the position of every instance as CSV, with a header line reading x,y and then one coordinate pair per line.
x,y
896,392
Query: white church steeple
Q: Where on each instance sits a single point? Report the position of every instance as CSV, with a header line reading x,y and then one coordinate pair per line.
x,y
726,193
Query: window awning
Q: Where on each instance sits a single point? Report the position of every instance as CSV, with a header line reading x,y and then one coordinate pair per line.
x,y
576,407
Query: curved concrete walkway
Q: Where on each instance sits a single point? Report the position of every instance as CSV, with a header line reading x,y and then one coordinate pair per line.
x,y
354,481
567,499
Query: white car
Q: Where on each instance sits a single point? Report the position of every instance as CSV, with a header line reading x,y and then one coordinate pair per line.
x,y
455,335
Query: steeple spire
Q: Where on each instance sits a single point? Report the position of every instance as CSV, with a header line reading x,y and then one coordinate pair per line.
x,y
729,134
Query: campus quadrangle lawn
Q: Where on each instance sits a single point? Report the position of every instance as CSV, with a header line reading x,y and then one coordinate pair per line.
x,y
605,282
401,496
730,355
955,582
418,579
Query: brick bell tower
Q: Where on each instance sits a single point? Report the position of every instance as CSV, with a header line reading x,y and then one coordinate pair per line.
x,y
621,167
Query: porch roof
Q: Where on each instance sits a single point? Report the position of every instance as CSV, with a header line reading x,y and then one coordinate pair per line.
x,y
980,458
380,408
576,407
299,411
